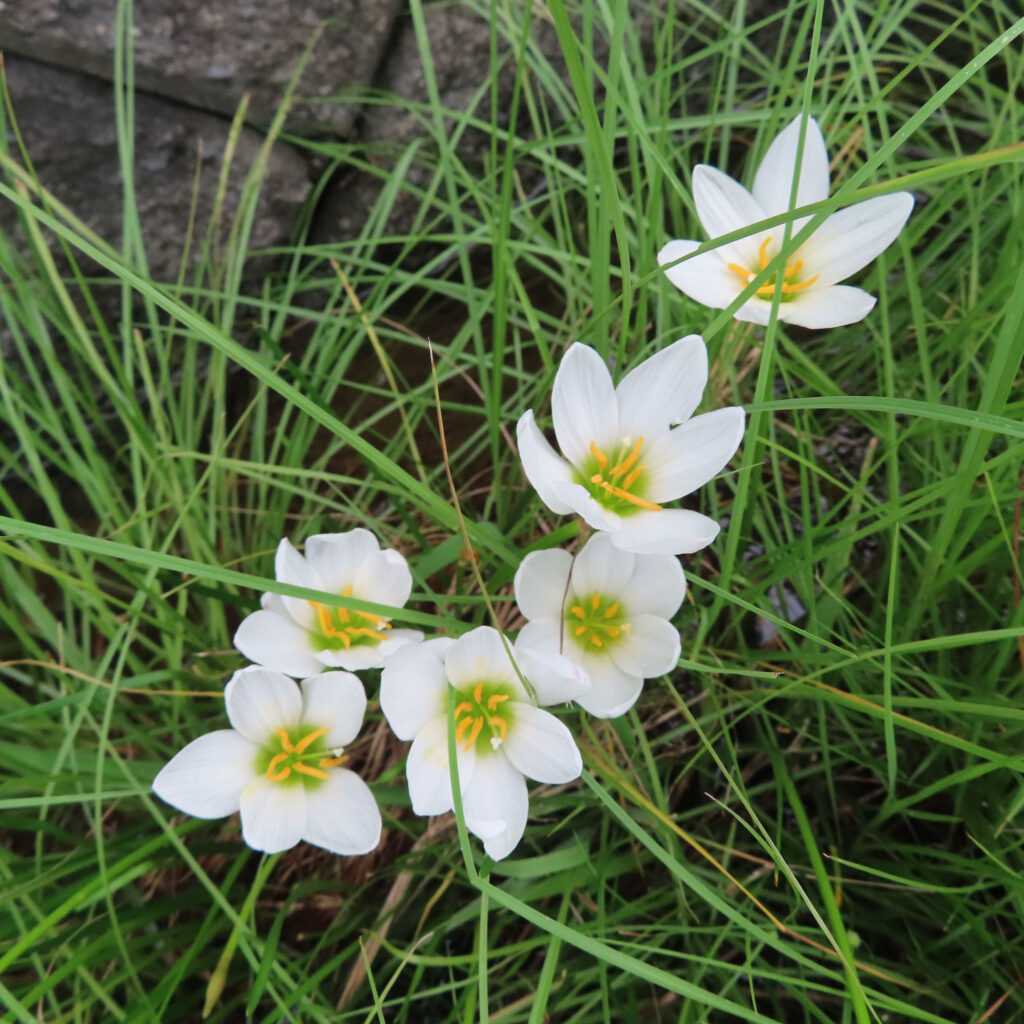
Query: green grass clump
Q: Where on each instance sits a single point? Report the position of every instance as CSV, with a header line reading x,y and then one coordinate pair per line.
x,y
816,818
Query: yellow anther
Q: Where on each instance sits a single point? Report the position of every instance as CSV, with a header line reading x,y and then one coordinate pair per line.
x,y
478,692
613,632
495,699
303,745
478,724
627,463
499,724
631,479
332,762
286,741
742,272
311,770
273,776
612,610
464,706
792,268
762,253
580,630
577,610
595,602
460,729
596,640
602,459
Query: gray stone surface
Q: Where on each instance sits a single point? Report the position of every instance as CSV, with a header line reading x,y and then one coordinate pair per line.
x,y
207,53
69,127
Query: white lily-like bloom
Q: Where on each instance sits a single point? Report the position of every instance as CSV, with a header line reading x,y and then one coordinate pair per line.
x,y
280,764
301,638
621,459
606,610
501,736
811,295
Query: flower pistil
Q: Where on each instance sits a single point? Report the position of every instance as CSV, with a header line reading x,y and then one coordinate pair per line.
x,y
623,473
605,622
293,756
793,267
484,708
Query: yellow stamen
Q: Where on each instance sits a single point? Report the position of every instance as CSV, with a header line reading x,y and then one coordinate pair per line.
x,y
495,699
286,741
478,692
303,745
283,773
613,632
602,459
767,290
595,602
478,724
464,706
741,272
460,729
631,479
499,724
627,463
619,492
332,762
577,610
762,253
580,630
596,640
612,610
311,770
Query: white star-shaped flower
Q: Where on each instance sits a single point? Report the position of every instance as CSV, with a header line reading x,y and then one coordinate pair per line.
x,y
501,736
301,638
606,610
279,764
811,295
621,456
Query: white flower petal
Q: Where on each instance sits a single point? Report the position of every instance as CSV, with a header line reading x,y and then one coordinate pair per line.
x,y
273,816
260,701
384,578
426,769
706,278
852,238
495,805
657,586
723,206
600,568
612,691
593,513
334,701
834,306
773,182
651,648
206,778
583,405
276,642
670,531
554,677
336,557
690,455
398,638
291,567
540,582
480,656
664,389
540,746
413,687
544,467
342,815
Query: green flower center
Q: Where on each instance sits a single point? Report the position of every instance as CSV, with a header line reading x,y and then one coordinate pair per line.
x,y
482,716
616,481
290,761
595,624
344,628
767,290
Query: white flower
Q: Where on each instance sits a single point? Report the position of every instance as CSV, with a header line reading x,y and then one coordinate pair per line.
x,y
301,638
501,735
279,764
621,460
606,610
845,242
